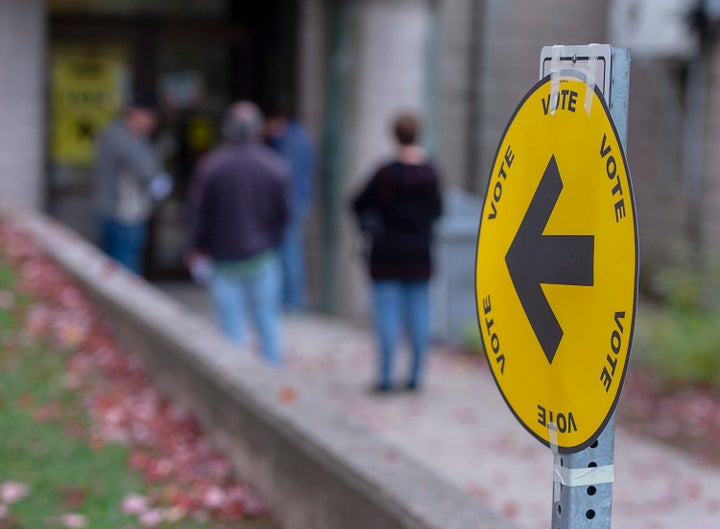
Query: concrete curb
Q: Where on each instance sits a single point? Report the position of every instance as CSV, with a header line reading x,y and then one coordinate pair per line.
x,y
315,468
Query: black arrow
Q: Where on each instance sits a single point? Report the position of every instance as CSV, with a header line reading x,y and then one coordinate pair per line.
x,y
534,259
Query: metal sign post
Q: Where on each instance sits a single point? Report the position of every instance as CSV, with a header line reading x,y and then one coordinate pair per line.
x,y
582,491
556,270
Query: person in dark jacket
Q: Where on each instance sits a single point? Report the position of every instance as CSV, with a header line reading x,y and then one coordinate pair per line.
x,y
398,206
240,204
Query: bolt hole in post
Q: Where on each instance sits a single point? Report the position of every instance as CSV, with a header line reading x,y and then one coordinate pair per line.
x,y
591,490
594,445
590,514
592,464
559,509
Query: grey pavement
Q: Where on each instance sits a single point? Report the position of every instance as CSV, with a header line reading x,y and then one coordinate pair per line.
x,y
459,427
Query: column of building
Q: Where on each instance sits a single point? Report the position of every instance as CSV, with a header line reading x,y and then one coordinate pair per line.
x,y
22,118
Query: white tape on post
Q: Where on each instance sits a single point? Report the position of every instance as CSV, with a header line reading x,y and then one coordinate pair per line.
x,y
584,477
591,75
555,68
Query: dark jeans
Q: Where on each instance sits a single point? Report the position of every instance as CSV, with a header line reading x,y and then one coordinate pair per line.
x,y
124,242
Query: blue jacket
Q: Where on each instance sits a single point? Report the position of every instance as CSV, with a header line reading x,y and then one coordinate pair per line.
x,y
295,146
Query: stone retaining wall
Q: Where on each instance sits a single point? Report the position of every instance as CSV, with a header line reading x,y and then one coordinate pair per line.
x,y
316,469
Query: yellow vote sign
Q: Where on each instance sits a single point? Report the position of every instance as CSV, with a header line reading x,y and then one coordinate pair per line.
x,y
556,269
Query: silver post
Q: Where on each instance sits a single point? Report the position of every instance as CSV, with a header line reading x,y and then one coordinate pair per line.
x,y
584,506
579,505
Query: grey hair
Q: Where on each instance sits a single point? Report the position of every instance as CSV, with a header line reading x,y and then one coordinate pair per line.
x,y
243,122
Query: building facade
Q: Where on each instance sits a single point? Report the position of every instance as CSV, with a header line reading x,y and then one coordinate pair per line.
x,y
348,66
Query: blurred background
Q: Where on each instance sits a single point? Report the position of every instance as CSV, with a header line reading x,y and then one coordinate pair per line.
x,y
346,67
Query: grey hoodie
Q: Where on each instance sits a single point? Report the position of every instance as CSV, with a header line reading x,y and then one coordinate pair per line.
x,y
125,163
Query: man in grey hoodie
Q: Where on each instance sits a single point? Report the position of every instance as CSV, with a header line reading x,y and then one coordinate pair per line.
x,y
128,176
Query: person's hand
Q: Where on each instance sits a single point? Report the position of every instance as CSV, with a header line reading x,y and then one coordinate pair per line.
x,y
200,266
161,186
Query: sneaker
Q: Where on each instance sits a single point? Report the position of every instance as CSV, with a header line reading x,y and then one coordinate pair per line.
x,y
382,387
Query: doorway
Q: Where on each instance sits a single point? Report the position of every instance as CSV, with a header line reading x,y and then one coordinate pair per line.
x,y
196,60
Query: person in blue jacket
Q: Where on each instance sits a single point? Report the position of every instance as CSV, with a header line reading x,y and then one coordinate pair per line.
x,y
288,137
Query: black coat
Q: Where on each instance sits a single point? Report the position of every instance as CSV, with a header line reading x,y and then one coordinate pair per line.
x,y
400,204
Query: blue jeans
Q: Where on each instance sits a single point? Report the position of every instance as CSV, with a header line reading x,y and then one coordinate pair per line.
x,y
396,302
124,242
293,264
259,292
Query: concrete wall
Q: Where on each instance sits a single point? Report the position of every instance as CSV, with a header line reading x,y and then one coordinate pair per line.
x,y
311,80
22,98
315,468
310,66
458,82
387,74
655,135
711,207
513,34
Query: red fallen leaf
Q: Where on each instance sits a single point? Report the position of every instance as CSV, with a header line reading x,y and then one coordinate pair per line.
x,y
170,494
713,505
97,442
390,455
10,521
479,491
109,268
7,300
287,395
510,509
121,403
186,502
73,497
140,460
175,513
694,489
159,470
46,413
26,401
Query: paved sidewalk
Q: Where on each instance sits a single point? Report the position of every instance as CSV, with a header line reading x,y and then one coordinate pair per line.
x,y
460,427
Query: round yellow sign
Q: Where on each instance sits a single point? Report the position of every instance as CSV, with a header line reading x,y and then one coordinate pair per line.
x,y
556,268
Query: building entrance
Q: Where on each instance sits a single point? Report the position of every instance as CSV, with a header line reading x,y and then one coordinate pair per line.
x,y
197,57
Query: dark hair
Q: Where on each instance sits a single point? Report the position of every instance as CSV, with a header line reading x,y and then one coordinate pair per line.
x,y
280,107
142,100
406,128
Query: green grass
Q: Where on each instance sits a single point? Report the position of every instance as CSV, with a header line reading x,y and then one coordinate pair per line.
x,y
678,337
51,452
682,346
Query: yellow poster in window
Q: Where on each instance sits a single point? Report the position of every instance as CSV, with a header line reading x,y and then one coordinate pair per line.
x,y
87,87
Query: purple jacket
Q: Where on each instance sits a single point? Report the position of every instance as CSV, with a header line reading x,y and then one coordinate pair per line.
x,y
240,201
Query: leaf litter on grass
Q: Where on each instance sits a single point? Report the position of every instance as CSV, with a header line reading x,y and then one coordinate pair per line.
x,y
187,477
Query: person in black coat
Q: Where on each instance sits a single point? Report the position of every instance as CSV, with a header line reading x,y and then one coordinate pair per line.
x,y
397,209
